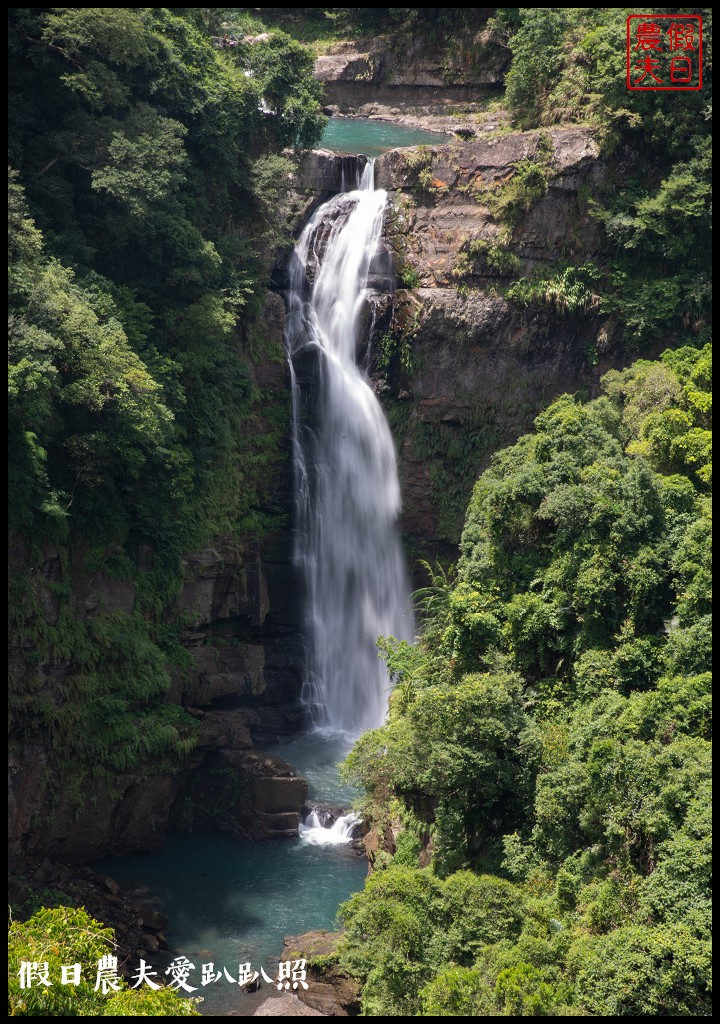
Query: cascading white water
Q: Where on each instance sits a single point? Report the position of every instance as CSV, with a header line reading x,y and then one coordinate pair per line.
x,y
338,833
347,492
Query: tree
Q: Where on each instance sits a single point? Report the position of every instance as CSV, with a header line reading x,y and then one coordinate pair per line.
x,y
62,937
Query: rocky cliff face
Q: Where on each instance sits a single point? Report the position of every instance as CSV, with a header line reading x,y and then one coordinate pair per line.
x,y
331,990
239,680
463,369
410,77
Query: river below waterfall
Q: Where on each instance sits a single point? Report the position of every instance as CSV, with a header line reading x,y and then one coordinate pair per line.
x,y
229,902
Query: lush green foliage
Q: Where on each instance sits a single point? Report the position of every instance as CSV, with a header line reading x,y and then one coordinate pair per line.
x,y
568,66
552,727
423,920
569,290
548,739
51,939
146,200
153,174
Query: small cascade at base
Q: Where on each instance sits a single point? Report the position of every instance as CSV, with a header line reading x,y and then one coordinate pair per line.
x,y
323,826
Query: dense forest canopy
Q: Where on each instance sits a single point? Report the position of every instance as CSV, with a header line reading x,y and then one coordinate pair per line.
x,y
550,732
541,787
151,174
144,187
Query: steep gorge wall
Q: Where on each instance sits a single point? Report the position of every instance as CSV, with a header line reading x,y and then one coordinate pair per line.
x,y
237,620
475,367
410,77
463,370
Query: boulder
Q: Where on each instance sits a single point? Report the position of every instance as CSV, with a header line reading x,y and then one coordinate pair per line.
x,y
245,793
348,67
331,990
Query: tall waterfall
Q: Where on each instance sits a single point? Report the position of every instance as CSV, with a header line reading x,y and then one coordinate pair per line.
x,y
347,493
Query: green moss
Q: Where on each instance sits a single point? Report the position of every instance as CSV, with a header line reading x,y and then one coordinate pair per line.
x,y
480,256
509,200
453,454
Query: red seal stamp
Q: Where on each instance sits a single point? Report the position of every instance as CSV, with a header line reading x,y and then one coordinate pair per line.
x,y
664,51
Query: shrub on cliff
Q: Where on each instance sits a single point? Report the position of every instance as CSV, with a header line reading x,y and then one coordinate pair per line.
x,y
568,67
552,726
55,961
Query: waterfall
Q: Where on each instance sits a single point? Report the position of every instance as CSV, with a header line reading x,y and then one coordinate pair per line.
x,y
347,494
319,830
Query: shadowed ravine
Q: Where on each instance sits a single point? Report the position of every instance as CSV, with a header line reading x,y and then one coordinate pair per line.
x,y
242,899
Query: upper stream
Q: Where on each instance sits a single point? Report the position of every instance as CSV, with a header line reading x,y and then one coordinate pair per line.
x,y
361,135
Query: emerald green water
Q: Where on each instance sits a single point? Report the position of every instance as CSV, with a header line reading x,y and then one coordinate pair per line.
x,y
230,902
359,135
